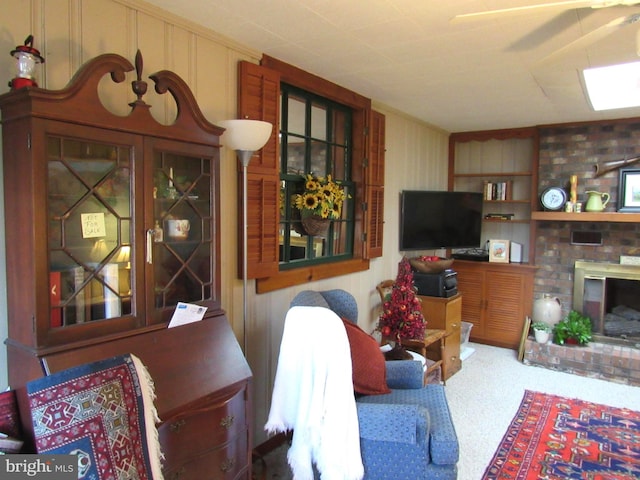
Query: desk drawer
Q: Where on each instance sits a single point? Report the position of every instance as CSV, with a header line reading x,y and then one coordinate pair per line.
x,y
228,462
202,429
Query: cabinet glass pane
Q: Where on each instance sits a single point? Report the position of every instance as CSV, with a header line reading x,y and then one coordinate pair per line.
x,y
89,216
183,212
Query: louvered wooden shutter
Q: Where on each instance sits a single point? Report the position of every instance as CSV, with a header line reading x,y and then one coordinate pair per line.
x,y
258,99
375,186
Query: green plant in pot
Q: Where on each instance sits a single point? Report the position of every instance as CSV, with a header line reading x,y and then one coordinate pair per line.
x,y
574,329
542,331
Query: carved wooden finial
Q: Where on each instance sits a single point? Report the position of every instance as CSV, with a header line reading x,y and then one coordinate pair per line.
x,y
139,86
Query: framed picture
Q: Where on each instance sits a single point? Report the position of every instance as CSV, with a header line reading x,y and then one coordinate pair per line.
x,y
629,190
499,251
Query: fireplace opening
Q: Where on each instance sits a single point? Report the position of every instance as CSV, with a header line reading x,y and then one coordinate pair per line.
x,y
609,294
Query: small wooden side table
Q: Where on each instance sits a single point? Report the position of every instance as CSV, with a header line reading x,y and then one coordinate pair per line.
x,y
431,337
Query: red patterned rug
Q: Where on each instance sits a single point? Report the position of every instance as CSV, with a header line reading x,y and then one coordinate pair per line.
x,y
557,438
102,412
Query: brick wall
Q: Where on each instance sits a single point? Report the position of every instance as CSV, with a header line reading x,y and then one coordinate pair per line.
x,y
575,150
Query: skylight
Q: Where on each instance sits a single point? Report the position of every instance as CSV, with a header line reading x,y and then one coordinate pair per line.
x,y
615,86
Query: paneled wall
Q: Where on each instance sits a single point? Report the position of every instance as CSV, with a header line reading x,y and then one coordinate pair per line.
x,y
69,32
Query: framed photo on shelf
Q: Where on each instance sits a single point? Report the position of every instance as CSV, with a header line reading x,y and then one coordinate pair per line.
x,y
629,190
499,251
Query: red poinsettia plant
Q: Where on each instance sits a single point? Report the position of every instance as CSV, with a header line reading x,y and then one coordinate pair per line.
x,y
401,316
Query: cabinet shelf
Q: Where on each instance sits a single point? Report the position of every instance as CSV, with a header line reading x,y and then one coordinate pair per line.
x,y
525,201
615,217
497,220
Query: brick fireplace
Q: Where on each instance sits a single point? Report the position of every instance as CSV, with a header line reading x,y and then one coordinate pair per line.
x,y
569,150
575,150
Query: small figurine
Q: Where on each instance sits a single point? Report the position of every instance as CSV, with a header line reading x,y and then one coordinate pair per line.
x,y
27,58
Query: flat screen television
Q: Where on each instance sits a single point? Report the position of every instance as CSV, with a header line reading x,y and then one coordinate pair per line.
x,y
435,219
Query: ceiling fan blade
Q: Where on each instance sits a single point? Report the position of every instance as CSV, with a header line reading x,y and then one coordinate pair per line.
x,y
508,12
591,37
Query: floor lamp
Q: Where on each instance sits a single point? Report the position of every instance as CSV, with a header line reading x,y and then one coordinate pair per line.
x,y
245,137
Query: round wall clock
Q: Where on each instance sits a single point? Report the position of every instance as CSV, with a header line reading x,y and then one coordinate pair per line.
x,y
553,198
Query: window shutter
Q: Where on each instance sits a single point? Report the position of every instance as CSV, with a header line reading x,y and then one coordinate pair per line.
x,y
375,186
258,99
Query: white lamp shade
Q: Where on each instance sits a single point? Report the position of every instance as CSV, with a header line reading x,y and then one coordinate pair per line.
x,y
247,135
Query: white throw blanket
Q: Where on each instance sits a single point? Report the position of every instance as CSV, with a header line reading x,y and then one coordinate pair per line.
x,y
313,396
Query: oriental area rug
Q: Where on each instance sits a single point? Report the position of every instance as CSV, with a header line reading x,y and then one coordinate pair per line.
x,y
102,412
554,438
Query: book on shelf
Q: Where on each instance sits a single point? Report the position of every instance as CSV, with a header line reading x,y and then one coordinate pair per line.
x,y
497,191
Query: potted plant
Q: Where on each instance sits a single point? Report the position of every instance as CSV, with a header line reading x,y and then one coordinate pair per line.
x,y
542,331
574,329
319,203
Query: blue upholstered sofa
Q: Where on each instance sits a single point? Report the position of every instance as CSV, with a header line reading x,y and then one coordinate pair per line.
x,y
406,434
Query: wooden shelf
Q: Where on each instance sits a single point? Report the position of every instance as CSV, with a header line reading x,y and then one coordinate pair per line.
x,y
497,220
615,217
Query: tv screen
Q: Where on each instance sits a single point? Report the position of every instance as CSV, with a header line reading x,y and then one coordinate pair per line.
x,y
434,219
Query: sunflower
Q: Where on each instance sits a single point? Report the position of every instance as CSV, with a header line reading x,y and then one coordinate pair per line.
x,y
322,196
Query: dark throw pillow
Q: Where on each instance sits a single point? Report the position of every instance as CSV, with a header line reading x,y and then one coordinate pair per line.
x,y
369,370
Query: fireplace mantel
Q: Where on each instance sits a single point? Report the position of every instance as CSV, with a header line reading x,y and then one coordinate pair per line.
x,y
615,217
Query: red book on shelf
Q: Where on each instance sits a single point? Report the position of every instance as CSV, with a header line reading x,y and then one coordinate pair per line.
x,y
55,287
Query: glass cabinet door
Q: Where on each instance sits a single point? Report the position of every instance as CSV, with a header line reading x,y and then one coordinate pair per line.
x,y
89,210
182,237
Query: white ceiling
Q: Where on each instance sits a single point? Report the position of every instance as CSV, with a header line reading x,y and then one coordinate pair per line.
x,y
407,55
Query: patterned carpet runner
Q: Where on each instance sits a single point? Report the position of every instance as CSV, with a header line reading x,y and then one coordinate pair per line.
x,y
102,412
555,438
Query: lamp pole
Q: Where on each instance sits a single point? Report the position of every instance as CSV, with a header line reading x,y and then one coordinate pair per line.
x,y
245,137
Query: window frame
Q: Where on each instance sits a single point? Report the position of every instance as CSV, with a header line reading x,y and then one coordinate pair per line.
x,y
260,106
290,178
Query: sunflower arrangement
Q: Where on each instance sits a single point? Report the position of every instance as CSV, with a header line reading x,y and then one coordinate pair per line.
x,y
322,196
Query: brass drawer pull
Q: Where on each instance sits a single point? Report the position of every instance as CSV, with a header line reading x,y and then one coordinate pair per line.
x,y
227,465
227,421
177,426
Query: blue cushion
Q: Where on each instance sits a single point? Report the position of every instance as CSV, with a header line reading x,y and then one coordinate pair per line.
x,y
443,441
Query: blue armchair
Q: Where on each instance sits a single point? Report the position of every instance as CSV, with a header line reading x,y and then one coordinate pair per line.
x,y
405,434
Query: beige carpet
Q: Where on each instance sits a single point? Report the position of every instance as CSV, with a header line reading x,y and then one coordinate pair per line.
x,y
484,396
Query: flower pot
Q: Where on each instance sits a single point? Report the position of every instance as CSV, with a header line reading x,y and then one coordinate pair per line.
x,y
315,225
541,336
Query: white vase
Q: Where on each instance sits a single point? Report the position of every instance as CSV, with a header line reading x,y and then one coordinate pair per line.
x,y
541,336
547,309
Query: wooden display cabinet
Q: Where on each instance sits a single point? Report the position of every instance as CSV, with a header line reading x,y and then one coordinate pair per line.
x,y
497,299
445,314
110,222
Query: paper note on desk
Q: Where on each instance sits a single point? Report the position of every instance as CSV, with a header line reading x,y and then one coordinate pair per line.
x,y
186,313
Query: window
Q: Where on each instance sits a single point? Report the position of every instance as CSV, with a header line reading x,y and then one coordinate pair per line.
x,y
362,169
315,138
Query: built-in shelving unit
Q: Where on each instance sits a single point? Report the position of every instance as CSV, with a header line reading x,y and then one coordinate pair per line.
x,y
507,157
